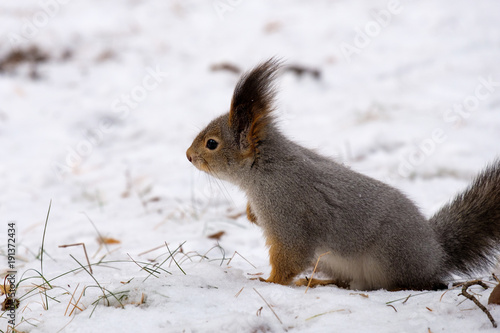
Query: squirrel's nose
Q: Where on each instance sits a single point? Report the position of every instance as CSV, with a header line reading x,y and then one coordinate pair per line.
x,y
188,155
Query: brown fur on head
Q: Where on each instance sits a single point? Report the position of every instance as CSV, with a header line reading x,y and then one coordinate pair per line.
x,y
232,139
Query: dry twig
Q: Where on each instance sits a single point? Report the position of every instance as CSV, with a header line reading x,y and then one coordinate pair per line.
x,y
239,292
237,253
268,306
153,249
84,250
314,270
392,306
472,298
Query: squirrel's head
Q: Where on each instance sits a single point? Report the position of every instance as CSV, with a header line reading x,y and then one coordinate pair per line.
x,y
230,143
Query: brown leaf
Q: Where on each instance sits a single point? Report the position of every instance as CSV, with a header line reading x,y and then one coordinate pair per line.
x,y
495,295
217,235
225,66
108,240
4,289
10,303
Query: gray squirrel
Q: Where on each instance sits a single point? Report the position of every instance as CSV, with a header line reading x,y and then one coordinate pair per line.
x,y
370,235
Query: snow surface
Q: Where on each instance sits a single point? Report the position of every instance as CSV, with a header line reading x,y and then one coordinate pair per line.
x,y
69,136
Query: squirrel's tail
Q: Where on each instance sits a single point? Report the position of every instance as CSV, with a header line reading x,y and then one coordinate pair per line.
x,y
468,227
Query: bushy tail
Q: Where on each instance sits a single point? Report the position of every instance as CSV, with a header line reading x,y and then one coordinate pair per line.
x,y
469,227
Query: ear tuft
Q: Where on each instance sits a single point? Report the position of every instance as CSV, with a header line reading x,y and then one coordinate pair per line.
x,y
252,103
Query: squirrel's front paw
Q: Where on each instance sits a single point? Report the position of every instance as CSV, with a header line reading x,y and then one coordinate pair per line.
x,y
269,280
261,279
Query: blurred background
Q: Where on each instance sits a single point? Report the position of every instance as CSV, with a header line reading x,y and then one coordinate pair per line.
x,y
99,101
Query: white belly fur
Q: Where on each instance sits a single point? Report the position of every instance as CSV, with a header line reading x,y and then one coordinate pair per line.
x,y
362,273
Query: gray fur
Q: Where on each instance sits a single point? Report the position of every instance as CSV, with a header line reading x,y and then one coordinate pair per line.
x,y
376,237
318,205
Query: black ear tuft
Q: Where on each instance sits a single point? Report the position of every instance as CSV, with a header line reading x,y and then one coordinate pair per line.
x,y
253,100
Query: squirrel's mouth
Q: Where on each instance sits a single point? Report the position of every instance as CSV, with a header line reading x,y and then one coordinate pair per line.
x,y
200,164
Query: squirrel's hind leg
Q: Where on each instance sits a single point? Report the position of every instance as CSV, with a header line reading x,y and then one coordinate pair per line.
x,y
286,262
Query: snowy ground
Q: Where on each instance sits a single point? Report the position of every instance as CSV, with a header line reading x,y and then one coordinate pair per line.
x,y
99,123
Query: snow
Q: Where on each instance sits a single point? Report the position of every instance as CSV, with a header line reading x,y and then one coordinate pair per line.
x,y
102,133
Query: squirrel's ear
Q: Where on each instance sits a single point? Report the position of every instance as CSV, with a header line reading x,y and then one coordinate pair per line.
x,y
252,104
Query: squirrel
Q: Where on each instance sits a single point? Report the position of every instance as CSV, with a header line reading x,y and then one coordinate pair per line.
x,y
369,234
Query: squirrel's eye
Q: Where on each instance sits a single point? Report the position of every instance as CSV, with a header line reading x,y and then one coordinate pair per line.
x,y
212,144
